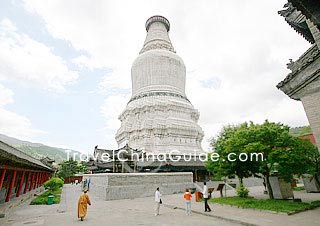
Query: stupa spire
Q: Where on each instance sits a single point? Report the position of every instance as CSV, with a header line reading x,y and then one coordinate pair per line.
x,y
159,117
157,36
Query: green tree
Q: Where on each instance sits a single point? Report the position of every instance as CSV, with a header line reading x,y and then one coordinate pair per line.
x,y
313,157
68,168
282,153
82,167
233,140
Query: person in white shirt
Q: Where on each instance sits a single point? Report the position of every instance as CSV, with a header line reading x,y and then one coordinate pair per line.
x,y
157,199
206,197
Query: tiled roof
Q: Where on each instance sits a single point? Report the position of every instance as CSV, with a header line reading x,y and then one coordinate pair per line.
x,y
13,155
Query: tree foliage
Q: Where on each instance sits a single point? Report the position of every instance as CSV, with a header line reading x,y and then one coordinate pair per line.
x,y
283,154
233,139
53,184
70,168
313,158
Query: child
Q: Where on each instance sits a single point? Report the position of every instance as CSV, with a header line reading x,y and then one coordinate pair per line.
x,y
187,196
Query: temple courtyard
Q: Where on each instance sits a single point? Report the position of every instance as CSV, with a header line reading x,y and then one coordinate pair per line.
x,y
140,211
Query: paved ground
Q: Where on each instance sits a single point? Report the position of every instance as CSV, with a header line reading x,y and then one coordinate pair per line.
x,y
255,217
122,212
140,212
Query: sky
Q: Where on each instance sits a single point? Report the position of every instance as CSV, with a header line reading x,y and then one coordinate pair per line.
x,y
65,65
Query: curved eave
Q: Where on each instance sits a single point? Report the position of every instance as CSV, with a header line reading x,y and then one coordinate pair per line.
x,y
303,30
311,9
12,156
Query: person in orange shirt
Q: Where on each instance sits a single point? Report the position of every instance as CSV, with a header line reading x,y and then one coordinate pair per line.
x,y
187,196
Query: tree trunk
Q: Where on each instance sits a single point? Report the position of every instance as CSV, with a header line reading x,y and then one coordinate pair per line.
x,y
317,174
270,192
316,179
240,181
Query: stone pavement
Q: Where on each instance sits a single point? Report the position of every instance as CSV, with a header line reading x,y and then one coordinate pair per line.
x,y
135,212
250,216
140,212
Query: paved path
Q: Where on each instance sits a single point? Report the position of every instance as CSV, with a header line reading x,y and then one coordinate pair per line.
x,y
140,212
254,217
120,212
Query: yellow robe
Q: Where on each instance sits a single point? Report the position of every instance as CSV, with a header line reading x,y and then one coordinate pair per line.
x,y
82,205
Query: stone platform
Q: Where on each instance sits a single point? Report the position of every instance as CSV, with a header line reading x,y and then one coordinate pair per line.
x,y
112,186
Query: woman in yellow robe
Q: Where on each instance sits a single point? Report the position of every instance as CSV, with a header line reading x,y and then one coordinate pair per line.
x,y
83,204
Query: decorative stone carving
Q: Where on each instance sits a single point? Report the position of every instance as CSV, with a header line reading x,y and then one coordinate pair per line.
x,y
304,70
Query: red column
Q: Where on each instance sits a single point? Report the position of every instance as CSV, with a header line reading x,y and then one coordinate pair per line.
x,y
27,183
21,183
11,185
35,180
32,181
3,173
40,178
8,181
16,185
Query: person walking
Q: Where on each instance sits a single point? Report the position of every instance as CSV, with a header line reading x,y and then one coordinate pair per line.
x,y
84,185
88,184
206,197
157,199
83,205
187,196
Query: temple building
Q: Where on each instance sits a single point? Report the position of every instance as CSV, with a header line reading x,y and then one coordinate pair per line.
x,y
113,163
303,82
20,174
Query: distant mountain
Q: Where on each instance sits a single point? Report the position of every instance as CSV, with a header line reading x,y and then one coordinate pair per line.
x,y
300,131
38,150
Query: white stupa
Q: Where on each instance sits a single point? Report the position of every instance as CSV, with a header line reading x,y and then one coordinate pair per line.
x,y
159,117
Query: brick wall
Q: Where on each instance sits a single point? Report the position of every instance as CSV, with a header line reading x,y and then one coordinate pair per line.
x,y
311,104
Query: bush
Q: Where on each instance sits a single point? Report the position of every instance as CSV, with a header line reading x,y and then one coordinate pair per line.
x,y
43,198
242,191
53,184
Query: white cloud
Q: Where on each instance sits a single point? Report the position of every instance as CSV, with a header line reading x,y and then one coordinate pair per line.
x,y
5,96
84,61
12,124
115,83
30,62
235,53
111,109
18,126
